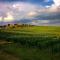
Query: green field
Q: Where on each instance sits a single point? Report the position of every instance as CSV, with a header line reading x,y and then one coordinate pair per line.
x,y
30,43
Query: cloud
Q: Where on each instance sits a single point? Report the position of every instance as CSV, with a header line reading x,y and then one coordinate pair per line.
x,y
57,2
9,18
26,10
17,11
40,22
23,11
45,23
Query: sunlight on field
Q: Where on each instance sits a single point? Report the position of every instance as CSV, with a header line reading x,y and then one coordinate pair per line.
x,y
50,30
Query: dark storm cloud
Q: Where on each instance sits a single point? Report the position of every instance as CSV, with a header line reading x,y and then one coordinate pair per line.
x,y
48,16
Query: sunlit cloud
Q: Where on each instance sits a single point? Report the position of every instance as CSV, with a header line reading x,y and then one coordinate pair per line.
x,y
57,2
9,18
0,19
31,14
40,22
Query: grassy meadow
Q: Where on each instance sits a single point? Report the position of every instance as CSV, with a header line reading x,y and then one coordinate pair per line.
x,y
30,43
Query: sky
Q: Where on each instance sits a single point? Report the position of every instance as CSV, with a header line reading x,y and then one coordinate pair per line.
x,y
36,12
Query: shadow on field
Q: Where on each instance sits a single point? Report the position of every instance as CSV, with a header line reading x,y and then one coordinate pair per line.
x,y
30,46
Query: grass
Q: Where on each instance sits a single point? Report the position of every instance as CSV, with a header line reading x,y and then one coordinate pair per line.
x,y
32,43
24,53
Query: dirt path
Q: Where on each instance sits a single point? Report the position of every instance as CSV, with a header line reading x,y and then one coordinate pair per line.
x,y
4,55
4,42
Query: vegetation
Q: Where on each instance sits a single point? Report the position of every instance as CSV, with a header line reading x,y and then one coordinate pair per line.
x,y
32,43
